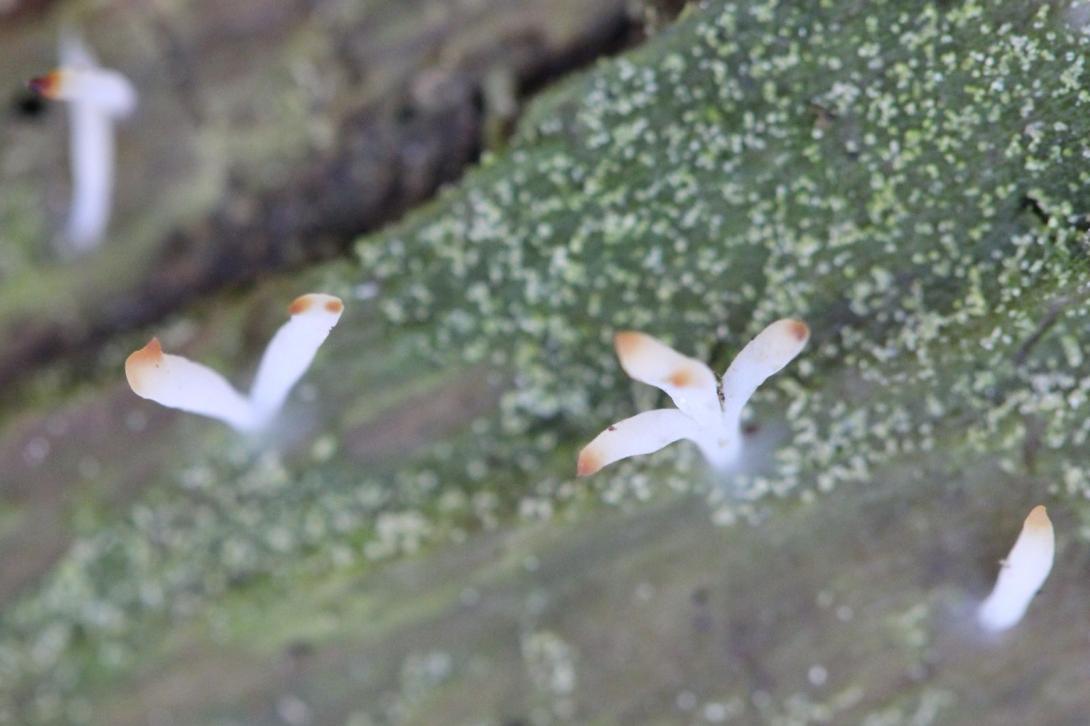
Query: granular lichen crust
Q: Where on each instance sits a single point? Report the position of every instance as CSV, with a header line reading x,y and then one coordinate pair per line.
x,y
912,182
909,181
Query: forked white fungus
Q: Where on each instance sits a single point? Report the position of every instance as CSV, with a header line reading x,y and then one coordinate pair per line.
x,y
708,415
178,382
1021,574
96,98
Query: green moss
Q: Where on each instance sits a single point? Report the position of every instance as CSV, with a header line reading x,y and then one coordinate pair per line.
x,y
912,182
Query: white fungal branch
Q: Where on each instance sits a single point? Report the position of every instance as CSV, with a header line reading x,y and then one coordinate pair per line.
x,y
177,382
707,414
1022,574
96,98
105,90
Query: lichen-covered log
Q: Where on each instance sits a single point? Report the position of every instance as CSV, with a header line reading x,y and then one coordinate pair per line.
x,y
911,181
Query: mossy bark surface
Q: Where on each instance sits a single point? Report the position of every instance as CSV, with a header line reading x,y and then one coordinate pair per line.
x,y
269,135
410,545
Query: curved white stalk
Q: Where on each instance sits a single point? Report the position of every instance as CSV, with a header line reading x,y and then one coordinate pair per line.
x,y
292,350
180,383
643,433
687,381
91,155
1022,574
177,382
764,356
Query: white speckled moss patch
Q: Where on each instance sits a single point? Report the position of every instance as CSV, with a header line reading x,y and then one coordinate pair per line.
x,y
911,182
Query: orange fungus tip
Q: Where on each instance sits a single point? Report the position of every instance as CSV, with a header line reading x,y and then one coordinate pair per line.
x,y
682,377
46,85
308,302
626,340
800,330
150,353
139,362
588,464
299,305
1038,518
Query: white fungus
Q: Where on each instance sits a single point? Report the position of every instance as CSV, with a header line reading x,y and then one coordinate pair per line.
x,y
708,415
180,383
1021,574
96,97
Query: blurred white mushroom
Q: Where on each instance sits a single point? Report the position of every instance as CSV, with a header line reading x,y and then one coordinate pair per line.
x,y
707,414
1021,574
96,98
178,382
